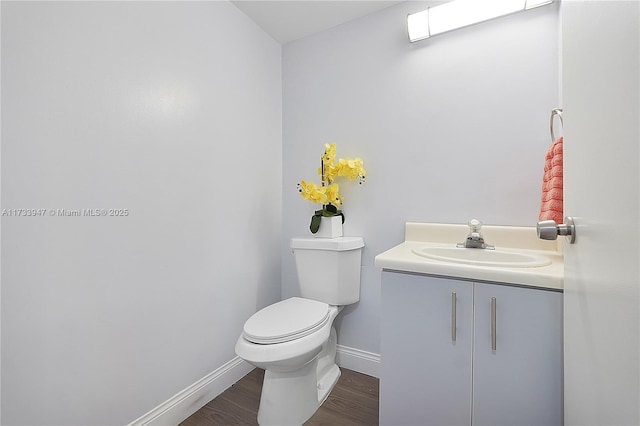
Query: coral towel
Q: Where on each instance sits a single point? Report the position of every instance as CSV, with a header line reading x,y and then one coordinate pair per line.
x,y
552,193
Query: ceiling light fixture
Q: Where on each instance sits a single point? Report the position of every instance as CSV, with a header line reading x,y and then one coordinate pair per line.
x,y
462,13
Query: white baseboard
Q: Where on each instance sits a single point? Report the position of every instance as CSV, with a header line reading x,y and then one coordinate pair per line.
x,y
358,360
188,401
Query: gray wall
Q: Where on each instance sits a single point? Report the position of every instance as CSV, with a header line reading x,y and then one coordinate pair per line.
x,y
171,110
450,128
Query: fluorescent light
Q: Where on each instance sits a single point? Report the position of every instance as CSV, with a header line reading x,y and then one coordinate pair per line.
x,y
461,13
535,3
418,25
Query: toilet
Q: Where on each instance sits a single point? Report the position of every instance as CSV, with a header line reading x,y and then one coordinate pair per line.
x,y
294,340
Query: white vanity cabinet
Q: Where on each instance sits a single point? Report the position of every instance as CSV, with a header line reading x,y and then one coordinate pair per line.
x,y
457,352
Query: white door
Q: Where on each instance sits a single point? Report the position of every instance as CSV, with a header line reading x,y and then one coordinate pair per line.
x,y
600,90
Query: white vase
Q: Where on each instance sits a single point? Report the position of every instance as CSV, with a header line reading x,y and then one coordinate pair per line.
x,y
330,227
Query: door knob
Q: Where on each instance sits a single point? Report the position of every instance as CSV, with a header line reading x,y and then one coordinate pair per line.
x,y
549,230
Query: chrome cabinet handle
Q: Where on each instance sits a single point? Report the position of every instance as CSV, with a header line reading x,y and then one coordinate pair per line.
x,y
493,324
454,298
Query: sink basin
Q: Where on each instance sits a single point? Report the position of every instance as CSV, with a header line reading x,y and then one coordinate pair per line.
x,y
483,257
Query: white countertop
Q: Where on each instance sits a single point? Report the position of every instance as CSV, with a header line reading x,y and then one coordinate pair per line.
x,y
512,238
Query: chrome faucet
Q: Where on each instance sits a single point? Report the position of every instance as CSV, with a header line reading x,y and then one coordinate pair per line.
x,y
475,238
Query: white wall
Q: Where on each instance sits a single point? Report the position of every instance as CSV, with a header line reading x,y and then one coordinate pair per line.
x,y
171,110
450,128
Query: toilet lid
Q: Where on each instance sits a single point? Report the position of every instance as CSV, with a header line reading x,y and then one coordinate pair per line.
x,y
287,320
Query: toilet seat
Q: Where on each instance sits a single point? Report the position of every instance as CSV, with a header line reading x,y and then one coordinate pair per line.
x,y
287,320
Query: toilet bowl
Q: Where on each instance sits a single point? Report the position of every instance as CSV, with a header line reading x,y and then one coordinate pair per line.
x,y
294,340
299,373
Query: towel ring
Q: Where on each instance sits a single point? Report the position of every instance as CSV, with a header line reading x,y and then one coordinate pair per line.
x,y
554,112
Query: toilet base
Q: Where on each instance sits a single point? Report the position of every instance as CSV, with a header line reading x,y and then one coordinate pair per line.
x,y
291,398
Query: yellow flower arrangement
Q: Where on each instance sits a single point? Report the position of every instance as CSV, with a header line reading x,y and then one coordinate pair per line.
x,y
328,193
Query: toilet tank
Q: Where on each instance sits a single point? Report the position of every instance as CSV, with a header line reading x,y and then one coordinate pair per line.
x,y
329,268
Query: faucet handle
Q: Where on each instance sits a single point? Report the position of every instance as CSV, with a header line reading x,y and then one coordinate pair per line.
x,y
475,225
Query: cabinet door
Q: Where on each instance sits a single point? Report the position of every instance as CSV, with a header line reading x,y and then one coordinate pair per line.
x,y
425,375
520,382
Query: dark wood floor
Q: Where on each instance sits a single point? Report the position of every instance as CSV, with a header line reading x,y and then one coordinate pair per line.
x,y
353,401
